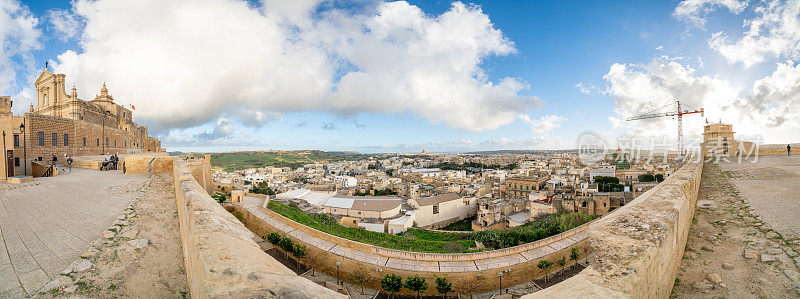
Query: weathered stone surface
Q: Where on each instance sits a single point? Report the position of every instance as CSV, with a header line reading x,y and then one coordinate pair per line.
x,y
714,278
121,223
699,285
792,274
728,266
108,234
57,283
750,253
775,251
707,248
707,204
90,252
766,258
772,235
129,233
791,253
139,243
77,266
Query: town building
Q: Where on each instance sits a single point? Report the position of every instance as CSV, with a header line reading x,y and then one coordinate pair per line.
x,y
62,124
441,210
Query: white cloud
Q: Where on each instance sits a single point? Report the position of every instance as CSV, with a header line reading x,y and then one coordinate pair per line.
x,y
544,124
694,12
65,23
185,63
775,101
642,89
18,37
587,88
773,32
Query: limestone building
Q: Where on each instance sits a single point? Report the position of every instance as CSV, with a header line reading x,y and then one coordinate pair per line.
x,y
61,123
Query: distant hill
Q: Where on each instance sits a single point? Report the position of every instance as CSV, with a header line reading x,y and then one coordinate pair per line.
x,y
231,161
524,152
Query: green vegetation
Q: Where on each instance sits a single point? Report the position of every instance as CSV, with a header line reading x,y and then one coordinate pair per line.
x,y
242,160
545,265
286,243
220,197
443,286
419,240
391,283
462,225
574,255
646,177
608,184
262,188
383,192
417,284
329,224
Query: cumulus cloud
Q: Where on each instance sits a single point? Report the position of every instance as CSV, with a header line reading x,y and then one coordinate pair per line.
x,y
694,12
775,99
544,124
181,69
587,88
65,23
18,37
774,32
641,89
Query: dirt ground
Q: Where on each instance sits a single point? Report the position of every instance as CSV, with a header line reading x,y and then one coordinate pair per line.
x,y
139,257
730,252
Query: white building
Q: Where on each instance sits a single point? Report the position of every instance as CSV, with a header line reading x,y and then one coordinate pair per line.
x,y
440,210
345,181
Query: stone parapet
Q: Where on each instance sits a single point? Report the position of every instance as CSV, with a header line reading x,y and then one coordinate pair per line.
x,y
222,260
638,247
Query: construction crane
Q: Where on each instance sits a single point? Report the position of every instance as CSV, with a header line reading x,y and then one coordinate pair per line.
x,y
677,112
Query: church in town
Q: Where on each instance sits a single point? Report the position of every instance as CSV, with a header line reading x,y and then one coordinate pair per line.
x,y
62,124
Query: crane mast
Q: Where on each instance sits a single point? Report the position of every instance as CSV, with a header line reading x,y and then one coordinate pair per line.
x,y
678,112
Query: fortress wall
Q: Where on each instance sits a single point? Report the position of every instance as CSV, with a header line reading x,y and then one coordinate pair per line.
x,y
465,282
221,258
639,246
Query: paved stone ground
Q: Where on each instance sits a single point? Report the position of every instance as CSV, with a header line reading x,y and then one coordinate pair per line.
x,y
770,187
46,224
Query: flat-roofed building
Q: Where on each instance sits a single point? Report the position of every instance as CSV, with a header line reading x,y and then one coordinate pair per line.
x,y
441,210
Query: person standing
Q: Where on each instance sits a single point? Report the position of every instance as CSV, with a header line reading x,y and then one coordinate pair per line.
x,y
789,150
55,159
69,162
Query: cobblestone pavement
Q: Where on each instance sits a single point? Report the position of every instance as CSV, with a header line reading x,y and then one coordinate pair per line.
x,y
46,224
770,187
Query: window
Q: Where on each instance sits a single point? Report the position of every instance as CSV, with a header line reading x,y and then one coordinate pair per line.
x,y
115,143
604,205
106,141
16,161
125,143
39,158
354,221
84,141
55,139
583,204
436,209
98,141
16,140
41,138
66,139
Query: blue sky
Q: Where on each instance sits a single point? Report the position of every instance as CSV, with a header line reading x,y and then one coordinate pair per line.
x,y
547,47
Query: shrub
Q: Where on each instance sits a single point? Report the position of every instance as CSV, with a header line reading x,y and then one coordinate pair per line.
x,y
286,244
416,283
274,238
391,283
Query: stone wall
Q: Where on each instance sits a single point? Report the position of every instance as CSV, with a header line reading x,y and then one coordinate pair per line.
x,y
638,247
469,272
221,258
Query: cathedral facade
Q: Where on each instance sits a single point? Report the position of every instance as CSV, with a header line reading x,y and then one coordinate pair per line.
x,y
62,124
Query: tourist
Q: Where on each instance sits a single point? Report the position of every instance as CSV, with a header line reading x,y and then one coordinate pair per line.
x,y
789,150
55,159
69,162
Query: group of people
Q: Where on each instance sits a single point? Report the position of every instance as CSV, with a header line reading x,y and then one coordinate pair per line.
x,y
69,160
110,162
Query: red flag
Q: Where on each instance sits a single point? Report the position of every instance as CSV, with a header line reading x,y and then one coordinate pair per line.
x,y
134,108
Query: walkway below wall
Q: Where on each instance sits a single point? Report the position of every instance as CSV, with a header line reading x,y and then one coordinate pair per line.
x,y
254,206
46,224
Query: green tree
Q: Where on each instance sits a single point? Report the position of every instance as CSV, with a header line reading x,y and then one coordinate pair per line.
x,y
574,255
545,265
561,262
659,178
603,182
443,286
262,188
274,238
646,177
417,284
359,278
391,283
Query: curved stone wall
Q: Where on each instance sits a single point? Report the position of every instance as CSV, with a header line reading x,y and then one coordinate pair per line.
x,y
638,248
469,272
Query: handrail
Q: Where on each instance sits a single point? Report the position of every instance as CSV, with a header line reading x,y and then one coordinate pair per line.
x,y
48,172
